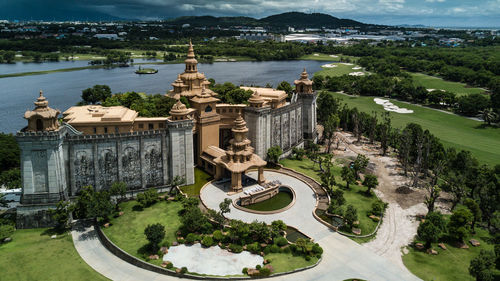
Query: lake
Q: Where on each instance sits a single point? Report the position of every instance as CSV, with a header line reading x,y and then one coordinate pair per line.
x,y
63,89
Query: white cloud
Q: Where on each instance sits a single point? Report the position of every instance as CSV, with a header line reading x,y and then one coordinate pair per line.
x,y
432,1
186,7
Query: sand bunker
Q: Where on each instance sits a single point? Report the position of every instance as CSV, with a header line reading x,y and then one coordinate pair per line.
x,y
316,55
346,63
357,73
356,68
430,90
389,106
334,56
212,261
330,65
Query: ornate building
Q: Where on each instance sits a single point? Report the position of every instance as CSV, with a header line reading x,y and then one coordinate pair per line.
x,y
96,145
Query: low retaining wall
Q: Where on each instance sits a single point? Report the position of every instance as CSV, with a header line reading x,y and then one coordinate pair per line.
x,y
151,267
242,208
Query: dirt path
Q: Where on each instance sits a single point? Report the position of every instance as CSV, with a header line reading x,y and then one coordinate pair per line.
x,y
399,225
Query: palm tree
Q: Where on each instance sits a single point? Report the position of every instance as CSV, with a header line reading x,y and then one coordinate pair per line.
x,y
489,115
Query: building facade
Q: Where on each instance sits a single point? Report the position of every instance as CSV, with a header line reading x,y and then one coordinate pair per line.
x,y
97,146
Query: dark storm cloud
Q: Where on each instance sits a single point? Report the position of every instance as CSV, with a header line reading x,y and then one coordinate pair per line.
x,y
436,12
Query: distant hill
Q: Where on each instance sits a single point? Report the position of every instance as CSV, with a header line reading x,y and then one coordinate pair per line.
x,y
296,19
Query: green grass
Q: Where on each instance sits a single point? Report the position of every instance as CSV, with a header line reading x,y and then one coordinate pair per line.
x,y
127,231
431,82
49,71
452,130
33,255
340,70
450,264
355,196
326,57
282,262
200,179
280,200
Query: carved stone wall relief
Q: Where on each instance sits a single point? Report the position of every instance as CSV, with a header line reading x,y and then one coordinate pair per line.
x,y
84,170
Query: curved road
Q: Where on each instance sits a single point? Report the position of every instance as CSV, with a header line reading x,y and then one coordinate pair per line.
x,y
342,257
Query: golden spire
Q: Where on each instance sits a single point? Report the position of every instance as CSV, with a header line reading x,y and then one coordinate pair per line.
x,y
304,75
190,54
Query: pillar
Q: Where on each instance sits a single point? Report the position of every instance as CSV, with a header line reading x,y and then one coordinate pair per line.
x,y
236,182
261,178
218,172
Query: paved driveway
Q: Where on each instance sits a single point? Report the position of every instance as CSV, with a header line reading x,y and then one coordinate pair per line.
x,y
342,257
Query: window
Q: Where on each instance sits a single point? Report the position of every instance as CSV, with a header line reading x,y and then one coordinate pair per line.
x,y
141,126
95,130
150,126
161,125
117,130
105,130
208,108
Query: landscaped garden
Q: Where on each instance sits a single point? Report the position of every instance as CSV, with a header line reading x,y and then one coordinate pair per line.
x,y
34,255
355,196
279,201
148,232
448,261
200,179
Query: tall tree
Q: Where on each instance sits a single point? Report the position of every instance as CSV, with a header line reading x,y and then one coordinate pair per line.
x,y
430,199
370,182
329,129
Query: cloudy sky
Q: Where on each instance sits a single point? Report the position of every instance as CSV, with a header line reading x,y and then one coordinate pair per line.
x,y
482,13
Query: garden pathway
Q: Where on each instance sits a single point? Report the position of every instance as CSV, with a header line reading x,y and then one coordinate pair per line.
x,y
342,257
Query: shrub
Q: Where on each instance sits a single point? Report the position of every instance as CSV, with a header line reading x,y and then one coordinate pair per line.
x,y
147,198
308,258
181,241
6,231
154,233
267,250
170,265
293,248
258,267
275,249
191,237
165,244
218,236
235,248
264,271
336,210
287,250
207,241
245,270
184,270
253,248
378,208
280,241
317,249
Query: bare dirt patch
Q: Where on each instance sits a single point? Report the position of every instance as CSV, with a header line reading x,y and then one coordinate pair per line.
x,y
400,223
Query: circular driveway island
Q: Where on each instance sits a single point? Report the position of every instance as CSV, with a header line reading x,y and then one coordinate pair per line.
x,y
342,258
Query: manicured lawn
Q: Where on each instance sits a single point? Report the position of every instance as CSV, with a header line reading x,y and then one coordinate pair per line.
x,y
127,231
200,179
280,200
341,69
450,264
286,262
33,255
355,196
327,57
431,82
452,130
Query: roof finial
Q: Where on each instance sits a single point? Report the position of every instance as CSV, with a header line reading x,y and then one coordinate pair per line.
x,y
41,93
